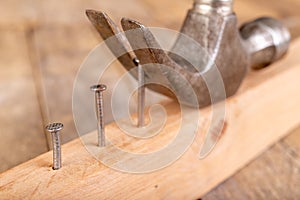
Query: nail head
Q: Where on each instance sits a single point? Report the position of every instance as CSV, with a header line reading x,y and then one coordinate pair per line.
x,y
100,88
54,127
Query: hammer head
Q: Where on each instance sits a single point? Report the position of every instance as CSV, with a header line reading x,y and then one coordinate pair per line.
x,y
210,58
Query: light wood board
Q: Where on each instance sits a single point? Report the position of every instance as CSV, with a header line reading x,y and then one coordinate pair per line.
x,y
257,117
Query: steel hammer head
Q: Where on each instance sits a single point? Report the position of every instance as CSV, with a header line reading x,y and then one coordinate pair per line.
x,y
210,48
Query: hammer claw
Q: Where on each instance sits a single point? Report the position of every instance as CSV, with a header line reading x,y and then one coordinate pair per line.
x,y
113,37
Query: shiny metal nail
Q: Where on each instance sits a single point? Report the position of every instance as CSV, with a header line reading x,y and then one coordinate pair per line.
x,y
54,129
99,89
141,94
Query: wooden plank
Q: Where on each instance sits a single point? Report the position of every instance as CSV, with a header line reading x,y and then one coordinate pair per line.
x,y
246,136
73,12
274,175
20,121
18,14
293,141
24,13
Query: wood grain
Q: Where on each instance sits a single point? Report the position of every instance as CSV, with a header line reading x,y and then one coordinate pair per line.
x,y
20,119
274,175
56,25
246,136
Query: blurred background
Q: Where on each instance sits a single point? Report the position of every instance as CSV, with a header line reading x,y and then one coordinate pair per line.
x,y
43,44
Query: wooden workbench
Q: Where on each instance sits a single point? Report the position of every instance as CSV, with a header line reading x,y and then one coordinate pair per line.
x,y
43,44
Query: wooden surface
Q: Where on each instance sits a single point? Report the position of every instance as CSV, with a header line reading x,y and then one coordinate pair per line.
x,y
43,44
274,175
245,136
18,102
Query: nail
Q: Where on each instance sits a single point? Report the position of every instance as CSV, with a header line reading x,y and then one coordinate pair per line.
x,y
141,94
54,130
99,89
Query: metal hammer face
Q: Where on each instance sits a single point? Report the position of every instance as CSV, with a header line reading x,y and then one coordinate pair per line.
x,y
212,24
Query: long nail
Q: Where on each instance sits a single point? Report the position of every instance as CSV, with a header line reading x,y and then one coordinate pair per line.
x,y
141,94
99,89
